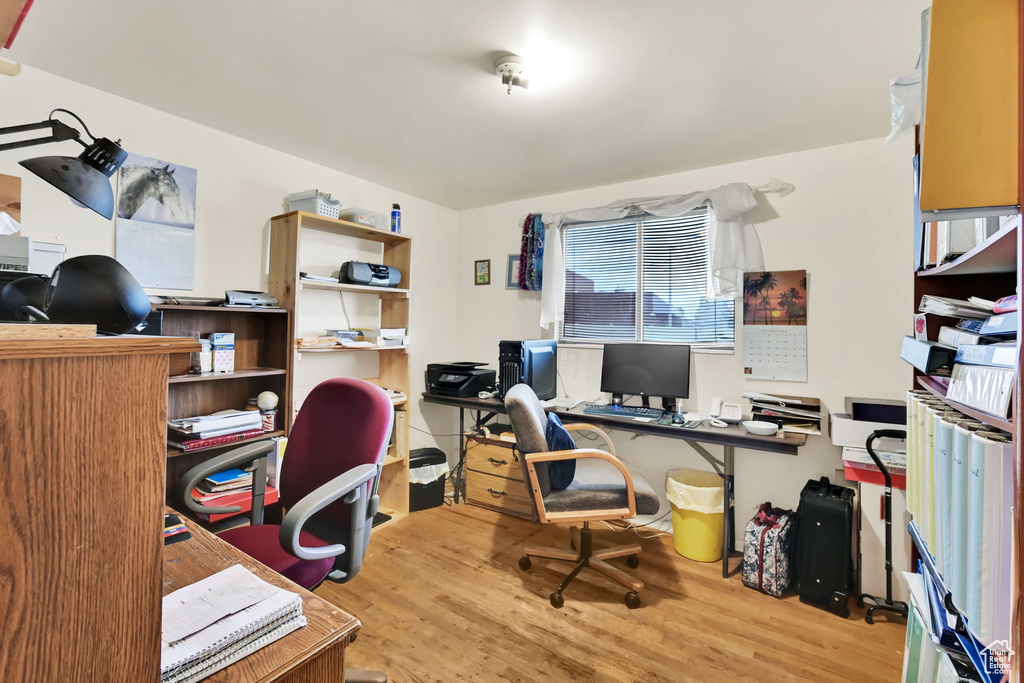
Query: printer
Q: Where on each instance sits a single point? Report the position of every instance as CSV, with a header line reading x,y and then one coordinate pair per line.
x,y
459,379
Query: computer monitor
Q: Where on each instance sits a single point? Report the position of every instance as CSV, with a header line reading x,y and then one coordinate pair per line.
x,y
646,370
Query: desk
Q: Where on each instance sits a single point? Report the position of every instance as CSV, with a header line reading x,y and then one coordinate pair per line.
x,y
315,653
729,438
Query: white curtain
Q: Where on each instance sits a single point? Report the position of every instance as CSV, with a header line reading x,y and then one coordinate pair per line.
x,y
735,248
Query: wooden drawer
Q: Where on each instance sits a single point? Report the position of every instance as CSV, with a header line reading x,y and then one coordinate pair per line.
x,y
500,461
497,493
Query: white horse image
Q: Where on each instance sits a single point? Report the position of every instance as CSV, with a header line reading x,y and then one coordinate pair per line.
x,y
151,193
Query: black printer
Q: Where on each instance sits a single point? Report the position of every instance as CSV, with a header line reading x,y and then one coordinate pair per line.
x,y
459,379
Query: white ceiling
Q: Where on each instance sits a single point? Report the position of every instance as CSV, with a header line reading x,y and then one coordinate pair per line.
x,y
402,92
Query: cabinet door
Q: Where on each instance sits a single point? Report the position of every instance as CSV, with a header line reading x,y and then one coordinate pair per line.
x,y
970,142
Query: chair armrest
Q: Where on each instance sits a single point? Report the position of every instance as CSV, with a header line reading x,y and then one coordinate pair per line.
x,y
586,426
549,456
348,485
236,457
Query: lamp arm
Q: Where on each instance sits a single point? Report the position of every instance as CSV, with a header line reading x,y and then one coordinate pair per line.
x,y
58,133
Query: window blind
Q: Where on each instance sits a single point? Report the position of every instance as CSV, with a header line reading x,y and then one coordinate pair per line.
x,y
643,279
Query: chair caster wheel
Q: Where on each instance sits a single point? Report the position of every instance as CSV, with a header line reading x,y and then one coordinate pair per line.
x,y
524,563
557,600
633,561
632,600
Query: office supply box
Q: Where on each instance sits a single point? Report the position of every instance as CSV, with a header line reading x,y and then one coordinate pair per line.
x,y
532,362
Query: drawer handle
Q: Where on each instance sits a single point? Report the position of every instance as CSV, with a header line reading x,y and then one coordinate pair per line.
x,y
496,493
497,462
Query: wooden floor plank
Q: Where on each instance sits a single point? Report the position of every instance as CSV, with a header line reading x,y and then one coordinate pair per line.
x,y
441,598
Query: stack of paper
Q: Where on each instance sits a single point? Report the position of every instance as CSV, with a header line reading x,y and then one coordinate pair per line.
x,y
214,622
958,308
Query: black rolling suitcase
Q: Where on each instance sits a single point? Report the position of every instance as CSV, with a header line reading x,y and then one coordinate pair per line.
x,y
824,567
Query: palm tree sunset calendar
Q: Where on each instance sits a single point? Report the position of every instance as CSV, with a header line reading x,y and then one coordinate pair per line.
x,y
775,298
775,325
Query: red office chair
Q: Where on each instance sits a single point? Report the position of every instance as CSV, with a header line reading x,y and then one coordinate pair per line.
x,y
329,479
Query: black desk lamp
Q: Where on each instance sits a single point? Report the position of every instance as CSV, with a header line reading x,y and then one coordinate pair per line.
x,y
86,178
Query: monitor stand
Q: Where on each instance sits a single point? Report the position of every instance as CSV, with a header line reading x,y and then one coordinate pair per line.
x,y
668,404
616,399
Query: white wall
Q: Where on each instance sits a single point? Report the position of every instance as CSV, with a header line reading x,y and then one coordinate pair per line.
x,y
240,186
847,224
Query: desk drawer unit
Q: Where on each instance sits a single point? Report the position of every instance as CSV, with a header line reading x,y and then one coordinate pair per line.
x,y
494,479
496,460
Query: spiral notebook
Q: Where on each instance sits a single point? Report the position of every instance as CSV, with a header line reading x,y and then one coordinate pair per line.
x,y
214,622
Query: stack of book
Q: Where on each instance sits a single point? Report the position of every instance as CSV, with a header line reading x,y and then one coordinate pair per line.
x,y
978,354
794,414
220,428
217,621
228,488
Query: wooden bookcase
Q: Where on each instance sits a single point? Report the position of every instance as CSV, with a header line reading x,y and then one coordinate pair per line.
x,y
301,240
262,361
973,159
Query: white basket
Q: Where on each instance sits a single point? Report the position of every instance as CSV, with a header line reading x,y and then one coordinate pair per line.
x,y
311,201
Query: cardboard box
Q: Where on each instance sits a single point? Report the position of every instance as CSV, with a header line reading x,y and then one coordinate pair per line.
x,y
222,340
14,253
850,433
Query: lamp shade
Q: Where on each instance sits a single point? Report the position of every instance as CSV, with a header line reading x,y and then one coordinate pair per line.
x,y
77,179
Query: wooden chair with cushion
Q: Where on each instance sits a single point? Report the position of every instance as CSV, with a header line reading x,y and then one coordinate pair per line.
x,y
603,488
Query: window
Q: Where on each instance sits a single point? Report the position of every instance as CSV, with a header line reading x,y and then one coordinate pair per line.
x,y
655,266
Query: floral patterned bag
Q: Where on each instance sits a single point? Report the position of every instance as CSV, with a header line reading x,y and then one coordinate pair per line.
x,y
767,545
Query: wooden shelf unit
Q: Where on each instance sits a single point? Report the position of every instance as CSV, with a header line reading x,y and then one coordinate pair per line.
x,y
972,158
286,262
262,360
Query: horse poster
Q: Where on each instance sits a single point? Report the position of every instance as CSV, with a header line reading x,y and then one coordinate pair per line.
x,y
156,220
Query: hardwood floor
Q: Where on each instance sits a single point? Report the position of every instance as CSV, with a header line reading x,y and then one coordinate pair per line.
x,y
441,598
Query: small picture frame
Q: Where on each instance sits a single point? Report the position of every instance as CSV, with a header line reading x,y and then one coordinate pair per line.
x,y
482,272
512,275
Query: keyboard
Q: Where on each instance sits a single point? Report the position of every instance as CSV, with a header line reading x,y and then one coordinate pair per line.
x,y
622,411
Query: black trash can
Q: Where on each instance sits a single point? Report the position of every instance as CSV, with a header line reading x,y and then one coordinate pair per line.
x,y
431,494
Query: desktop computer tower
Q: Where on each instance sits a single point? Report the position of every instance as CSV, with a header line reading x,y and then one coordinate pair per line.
x,y
532,362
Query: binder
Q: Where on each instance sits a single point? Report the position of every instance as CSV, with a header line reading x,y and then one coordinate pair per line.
x,y
959,480
944,423
999,355
983,387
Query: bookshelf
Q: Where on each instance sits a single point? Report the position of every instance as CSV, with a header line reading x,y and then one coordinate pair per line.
x,y
261,364
971,164
301,241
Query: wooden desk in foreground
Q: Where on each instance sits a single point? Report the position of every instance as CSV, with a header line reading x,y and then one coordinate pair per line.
x,y
315,653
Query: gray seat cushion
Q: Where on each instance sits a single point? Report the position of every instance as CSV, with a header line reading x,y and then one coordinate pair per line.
x,y
598,485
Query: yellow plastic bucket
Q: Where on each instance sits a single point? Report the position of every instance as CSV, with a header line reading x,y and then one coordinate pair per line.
x,y
697,499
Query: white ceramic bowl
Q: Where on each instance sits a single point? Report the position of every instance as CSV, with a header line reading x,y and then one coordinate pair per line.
x,y
762,428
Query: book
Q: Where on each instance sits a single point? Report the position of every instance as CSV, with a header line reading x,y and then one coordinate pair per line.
x,y
206,424
242,498
190,444
1007,304
215,621
207,487
232,476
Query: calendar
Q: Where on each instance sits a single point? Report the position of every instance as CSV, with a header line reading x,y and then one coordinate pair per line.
x,y
775,352
775,325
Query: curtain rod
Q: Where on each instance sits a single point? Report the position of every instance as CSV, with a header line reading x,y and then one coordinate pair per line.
x,y
780,187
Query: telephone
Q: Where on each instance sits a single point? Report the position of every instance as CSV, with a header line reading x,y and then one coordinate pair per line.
x,y
726,412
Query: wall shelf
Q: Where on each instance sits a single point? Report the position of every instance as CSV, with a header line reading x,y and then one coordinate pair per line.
x,y
237,374
936,389
218,309
336,349
997,255
347,228
383,292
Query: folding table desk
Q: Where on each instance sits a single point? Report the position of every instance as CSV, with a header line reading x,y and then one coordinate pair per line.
x,y
730,438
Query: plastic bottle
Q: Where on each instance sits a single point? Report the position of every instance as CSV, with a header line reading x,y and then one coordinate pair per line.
x,y
396,218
